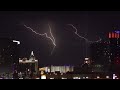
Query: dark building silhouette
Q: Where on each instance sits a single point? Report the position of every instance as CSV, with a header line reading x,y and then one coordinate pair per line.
x,y
9,53
99,52
100,55
15,75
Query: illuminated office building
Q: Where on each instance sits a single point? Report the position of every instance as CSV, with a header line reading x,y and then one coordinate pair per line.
x,y
30,65
61,69
107,52
114,47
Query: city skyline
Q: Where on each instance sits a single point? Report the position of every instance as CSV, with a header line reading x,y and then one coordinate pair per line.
x,y
69,48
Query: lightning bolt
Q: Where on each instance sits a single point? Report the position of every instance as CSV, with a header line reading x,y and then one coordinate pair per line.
x,y
87,41
76,32
54,42
45,34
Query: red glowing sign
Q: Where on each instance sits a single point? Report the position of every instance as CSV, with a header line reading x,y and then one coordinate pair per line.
x,y
112,35
109,35
115,35
118,35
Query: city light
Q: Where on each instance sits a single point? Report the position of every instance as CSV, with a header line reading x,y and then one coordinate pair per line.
x,y
86,58
20,78
107,77
43,76
64,78
51,78
76,78
37,78
114,76
18,42
83,77
117,32
87,77
98,76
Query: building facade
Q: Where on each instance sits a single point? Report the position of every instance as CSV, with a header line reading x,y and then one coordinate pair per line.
x,y
28,65
61,69
114,48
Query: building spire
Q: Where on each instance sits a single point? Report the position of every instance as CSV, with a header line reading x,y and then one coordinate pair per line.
x,y
32,54
32,57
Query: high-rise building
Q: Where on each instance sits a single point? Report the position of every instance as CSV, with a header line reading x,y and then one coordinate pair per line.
x,y
99,52
28,66
114,48
107,52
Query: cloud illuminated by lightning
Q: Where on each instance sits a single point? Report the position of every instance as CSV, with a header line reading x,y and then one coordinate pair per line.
x,y
45,34
76,32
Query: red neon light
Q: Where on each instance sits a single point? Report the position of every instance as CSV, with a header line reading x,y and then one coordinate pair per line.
x,y
113,35
118,35
109,35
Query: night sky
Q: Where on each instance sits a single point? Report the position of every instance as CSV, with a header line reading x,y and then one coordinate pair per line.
x,y
70,49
